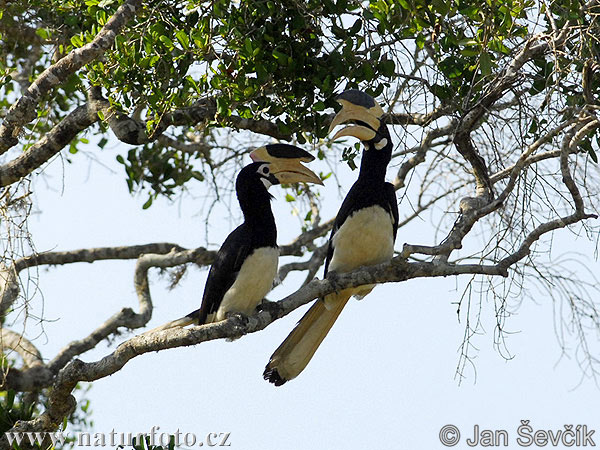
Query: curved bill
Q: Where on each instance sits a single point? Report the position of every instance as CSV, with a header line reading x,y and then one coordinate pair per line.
x,y
357,131
286,163
351,112
362,111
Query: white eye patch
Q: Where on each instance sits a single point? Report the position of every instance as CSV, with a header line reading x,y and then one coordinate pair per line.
x,y
266,182
382,143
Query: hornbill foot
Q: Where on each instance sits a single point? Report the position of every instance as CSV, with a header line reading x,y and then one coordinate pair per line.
x,y
273,308
239,321
333,278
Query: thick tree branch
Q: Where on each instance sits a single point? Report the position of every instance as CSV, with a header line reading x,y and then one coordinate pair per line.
x,y
9,287
397,270
33,374
48,146
91,255
579,129
569,143
24,110
28,352
159,255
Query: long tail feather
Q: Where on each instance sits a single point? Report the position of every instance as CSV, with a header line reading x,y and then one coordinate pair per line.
x,y
293,355
191,318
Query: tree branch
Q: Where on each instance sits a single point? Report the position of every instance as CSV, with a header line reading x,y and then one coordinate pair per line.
x,y
48,146
24,110
9,287
236,326
28,352
421,152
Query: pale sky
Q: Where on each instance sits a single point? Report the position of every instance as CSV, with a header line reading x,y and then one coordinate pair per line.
x,y
383,378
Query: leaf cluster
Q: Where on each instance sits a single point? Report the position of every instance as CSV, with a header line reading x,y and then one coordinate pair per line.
x,y
279,61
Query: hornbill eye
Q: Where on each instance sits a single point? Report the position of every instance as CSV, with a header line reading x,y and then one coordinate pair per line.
x,y
264,169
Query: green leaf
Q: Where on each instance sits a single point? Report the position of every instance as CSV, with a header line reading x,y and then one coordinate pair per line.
x,y
148,203
355,27
77,41
44,33
442,7
223,106
593,155
183,39
485,63
168,42
281,57
248,46
10,399
498,46
387,68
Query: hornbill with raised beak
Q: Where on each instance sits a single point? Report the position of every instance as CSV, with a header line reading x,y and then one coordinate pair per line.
x,y
363,233
246,264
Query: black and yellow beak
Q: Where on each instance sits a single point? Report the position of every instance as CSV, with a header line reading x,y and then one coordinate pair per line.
x,y
286,163
362,111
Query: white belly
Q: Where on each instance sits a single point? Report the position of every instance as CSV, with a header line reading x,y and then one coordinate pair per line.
x,y
253,282
366,238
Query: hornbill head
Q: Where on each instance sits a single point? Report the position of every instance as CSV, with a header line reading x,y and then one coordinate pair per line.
x,y
365,115
285,163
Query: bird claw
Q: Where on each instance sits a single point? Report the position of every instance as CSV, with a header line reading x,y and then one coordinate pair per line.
x,y
241,320
268,306
333,278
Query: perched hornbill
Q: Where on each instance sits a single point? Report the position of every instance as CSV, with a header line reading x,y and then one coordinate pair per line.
x,y
246,264
363,233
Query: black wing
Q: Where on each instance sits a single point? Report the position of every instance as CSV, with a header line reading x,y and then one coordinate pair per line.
x,y
349,205
392,206
224,270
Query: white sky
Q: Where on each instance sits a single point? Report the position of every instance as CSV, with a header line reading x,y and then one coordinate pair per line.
x,y
383,378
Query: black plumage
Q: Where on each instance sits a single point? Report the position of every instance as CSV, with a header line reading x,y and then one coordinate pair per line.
x,y
369,189
246,264
363,233
257,231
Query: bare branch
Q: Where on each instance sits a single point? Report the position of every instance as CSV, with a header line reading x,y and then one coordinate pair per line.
x,y
306,239
90,255
28,352
570,142
312,265
24,110
421,152
48,146
397,270
9,287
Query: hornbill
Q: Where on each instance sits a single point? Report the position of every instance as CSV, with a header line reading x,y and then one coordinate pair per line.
x,y
246,264
363,233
